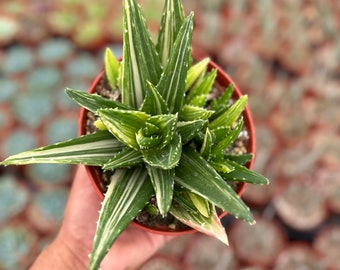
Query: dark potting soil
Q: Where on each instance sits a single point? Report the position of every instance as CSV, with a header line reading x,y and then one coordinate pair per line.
x,y
145,218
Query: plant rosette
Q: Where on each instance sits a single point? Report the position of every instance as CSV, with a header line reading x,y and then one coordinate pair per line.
x,y
166,140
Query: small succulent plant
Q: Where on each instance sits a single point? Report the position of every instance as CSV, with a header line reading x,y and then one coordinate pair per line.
x,y
165,137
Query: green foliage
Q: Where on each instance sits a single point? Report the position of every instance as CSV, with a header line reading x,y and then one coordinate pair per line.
x,y
164,138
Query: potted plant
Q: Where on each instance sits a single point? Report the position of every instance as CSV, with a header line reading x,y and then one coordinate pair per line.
x,y
170,144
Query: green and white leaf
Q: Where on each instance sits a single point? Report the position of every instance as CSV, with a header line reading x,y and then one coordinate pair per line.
x,y
172,83
210,225
206,147
127,158
171,22
202,89
94,102
93,149
223,100
243,174
191,113
167,157
220,148
229,116
123,124
163,183
112,68
154,103
195,73
128,193
189,129
196,174
140,59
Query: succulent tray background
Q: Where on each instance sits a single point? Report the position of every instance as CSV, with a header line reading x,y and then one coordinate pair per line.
x,y
284,54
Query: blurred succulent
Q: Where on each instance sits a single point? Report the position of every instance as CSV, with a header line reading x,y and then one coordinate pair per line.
x,y
83,66
8,89
55,50
31,109
47,209
13,198
47,174
18,59
164,138
15,247
43,79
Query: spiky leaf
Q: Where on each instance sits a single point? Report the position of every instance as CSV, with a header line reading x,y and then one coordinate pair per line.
x,y
189,129
93,102
163,183
128,157
191,113
93,149
229,116
123,124
172,20
154,103
224,99
128,193
112,68
202,89
140,59
196,72
167,157
206,147
172,83
196,174
210,225
243,174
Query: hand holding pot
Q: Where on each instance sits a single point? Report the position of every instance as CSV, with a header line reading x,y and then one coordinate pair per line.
x,y
74,242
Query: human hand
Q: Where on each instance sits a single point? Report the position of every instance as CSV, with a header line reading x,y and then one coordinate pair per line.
x,y
75,239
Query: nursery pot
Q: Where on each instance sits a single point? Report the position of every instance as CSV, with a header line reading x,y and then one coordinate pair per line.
x,y
222,81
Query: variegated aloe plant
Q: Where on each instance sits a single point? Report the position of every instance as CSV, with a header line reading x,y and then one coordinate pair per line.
x,y
164,138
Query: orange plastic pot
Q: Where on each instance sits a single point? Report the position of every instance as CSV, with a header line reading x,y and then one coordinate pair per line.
x,y
222,81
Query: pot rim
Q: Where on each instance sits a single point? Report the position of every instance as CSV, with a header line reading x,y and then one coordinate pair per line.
x,y
223,79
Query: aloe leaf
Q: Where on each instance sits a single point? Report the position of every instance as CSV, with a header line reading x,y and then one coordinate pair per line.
x,y
94,102
154,103
224,99
196,174
198,101
128,157
203,88
240,159
157,132
172,83
128,193
196,72
229,138
202,205
221,167
243,174
163,183
167,157
191,113
93,149
205,150
172,19
220,133
228,117
210,225
112,68
140,59
123,124
189,129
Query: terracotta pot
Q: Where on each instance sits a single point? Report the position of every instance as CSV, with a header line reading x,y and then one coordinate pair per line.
x,y
222,81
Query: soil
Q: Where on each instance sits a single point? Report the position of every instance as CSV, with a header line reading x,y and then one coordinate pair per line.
x,y
169,222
